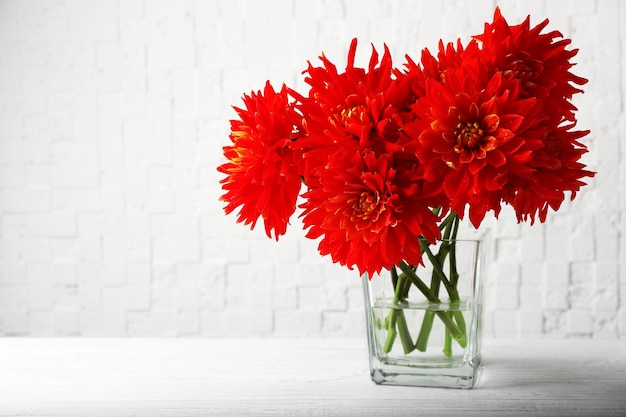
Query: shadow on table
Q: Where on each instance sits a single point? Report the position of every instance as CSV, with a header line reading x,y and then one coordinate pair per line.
x,y
569,375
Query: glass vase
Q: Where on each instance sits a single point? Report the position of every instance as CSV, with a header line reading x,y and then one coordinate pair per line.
x,y
424,323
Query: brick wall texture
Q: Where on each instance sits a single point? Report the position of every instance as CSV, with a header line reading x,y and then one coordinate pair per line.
x,y
112,118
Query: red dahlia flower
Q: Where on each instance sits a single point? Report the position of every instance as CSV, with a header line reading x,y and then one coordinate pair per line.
x,y
369,212
262,176
448,58
474,139
539,62
366,197
490,121
356,109
556,169
538,66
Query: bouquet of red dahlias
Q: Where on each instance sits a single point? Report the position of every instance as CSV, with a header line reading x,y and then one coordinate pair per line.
x,y
389,160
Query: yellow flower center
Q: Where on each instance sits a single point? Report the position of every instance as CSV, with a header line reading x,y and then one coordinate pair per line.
x,y
468,136
368,206
475,139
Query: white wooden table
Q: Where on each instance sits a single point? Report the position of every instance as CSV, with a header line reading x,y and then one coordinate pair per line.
x,y
296,377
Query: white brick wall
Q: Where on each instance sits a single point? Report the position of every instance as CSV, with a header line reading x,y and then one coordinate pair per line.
x,y
112,118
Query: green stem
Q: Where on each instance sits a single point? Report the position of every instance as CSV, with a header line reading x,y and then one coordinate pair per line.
x,y
456,334
446,222
454,274
395,318
454,279
412,276
390,325
438,269
429,316
447,344
452,318
460,320
394,277
403,331
425,329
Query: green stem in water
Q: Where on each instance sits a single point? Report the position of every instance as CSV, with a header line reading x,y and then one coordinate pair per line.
x,y
447,344
454,279
395,318
429,316
403,331
456,334
425,329
390,325
460,320
438,276
452,318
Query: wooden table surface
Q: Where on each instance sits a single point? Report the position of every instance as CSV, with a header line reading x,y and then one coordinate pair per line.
x,y
296,377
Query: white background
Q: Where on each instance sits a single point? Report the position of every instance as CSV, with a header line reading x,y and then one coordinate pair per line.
x,y
112,119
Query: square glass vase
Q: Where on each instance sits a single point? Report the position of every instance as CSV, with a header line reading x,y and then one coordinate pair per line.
x,y
424,323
